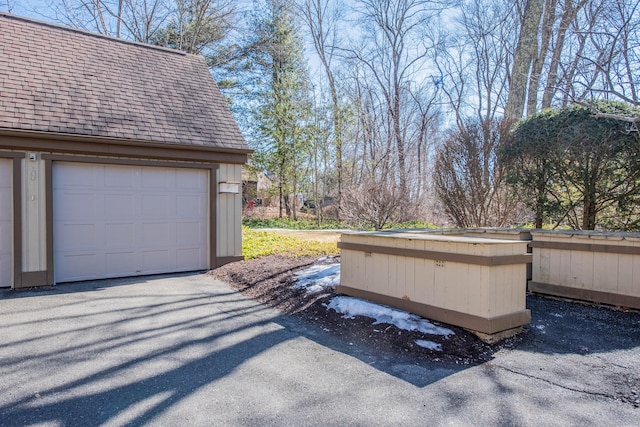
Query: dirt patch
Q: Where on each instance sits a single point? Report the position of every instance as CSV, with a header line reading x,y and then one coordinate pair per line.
x,y
271,280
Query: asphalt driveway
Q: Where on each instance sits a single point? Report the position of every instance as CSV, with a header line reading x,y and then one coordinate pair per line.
x,y
188,350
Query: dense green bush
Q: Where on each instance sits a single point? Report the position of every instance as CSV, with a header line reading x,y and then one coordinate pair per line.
x,y
578,166
290,224
311,224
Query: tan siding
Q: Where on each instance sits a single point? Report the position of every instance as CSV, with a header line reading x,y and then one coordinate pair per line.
x,y
6,222
33,216
483,291
229,220
586,265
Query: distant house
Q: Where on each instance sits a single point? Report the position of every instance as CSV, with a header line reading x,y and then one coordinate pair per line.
x,y
256,188
116,159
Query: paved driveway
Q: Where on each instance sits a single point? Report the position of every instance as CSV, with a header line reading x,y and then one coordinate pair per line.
x,y
188,350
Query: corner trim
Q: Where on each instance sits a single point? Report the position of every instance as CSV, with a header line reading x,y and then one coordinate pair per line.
x,y
440,256
487,325
586,247
585,295
213,216
32,279
48,177
228,259
16,195
17,221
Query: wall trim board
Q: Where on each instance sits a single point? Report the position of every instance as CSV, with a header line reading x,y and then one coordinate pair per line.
x,y
585,295
586,247
32,279
91,145
440,256
468,321
228,259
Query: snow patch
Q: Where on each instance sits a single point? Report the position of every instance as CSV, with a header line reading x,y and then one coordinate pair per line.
x,y
429,345
317,277
351,307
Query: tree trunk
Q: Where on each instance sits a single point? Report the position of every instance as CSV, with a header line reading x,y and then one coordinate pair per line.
x,y
399,137
539,60
280,199
287,205
315,13
552,78
526,50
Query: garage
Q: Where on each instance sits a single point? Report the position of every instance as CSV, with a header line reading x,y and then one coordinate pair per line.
x,y
122,220
6,223
117,159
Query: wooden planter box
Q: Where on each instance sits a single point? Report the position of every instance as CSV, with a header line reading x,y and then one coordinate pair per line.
x,y
587,265
476,283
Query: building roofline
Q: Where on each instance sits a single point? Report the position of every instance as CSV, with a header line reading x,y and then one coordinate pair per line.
x,y
91,34
20,133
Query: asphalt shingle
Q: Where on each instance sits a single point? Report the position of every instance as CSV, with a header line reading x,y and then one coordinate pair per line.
x,y
60,80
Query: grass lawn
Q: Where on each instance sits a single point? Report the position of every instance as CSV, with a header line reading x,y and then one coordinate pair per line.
x,y
258,243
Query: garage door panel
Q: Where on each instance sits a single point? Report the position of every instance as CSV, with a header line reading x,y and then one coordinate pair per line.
x,y
190,258
6,268
118,236
189,233
6,223
142,222
155,206
75,206
78,236
156,233
76,266
78,176
119,177
155,261
121,263
5,202
190,206
158,178
191,181
118,206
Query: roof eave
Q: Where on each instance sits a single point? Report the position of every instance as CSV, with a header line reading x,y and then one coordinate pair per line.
x,y
105,146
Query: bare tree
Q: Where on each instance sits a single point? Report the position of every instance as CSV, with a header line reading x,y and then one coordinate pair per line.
x,y
424,124
612,65
137,20
469,180
523,58
476,60
568,17
393,51
197,26
373,204
322,18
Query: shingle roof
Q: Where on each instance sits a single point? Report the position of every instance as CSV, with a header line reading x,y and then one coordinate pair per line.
x,y
58,80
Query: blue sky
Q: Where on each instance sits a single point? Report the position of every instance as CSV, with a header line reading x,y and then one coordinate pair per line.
x,y
32,8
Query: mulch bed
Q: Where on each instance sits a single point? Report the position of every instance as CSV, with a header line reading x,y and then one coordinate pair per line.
x,y
270,280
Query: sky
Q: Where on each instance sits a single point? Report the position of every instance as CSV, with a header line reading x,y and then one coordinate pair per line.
x,y
44,10
32,8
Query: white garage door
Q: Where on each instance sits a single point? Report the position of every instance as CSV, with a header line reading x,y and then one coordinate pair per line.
x,y
117,221
6,224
